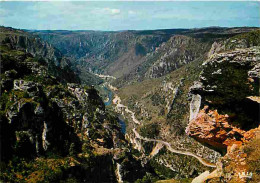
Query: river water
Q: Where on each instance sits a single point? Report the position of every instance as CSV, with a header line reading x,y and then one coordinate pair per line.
x,y
109,102
110,96
123,125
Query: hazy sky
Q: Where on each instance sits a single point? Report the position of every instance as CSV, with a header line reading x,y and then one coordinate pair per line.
x,y
127,15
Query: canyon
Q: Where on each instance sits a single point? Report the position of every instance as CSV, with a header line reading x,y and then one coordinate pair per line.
x,y
178,105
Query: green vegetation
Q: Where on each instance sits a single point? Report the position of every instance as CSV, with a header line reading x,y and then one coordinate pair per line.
x,y
248,39
39,170
53,168
152,98
140,49
148,178
162,171
61,134
7,99
150,130
45,136
187,180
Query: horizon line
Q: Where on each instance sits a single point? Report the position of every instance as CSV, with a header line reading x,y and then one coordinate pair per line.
x,y
72,30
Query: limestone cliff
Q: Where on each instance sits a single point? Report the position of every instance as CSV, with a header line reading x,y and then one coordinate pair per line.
x,y
229,99
177,51
57,64
53,130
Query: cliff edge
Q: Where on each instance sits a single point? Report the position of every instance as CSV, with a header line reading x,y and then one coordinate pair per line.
x,y
224,113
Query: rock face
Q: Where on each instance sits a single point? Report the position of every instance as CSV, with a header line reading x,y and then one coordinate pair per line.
x,y
47,119
195,106
20,40
214,130
176,52
228,121
233,71
38,114
228,79
27,86
57,64
226,84
113,52
131,55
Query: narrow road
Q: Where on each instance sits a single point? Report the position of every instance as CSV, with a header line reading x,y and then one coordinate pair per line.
x,y
120,106
201,160
117,102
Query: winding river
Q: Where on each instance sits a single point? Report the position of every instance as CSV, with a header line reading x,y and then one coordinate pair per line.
x,y
109,102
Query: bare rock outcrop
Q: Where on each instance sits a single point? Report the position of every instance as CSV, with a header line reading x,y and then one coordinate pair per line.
x,y
228,87
215,131
229,103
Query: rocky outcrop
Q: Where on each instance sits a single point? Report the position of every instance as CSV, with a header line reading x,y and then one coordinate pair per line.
x,y
113,53
228,79
216,47
42,118
229,92
194,106
30,87
130,55
215,131
58,65
20,40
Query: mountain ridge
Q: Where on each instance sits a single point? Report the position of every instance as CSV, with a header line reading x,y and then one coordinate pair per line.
x,y
123,54
214,67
